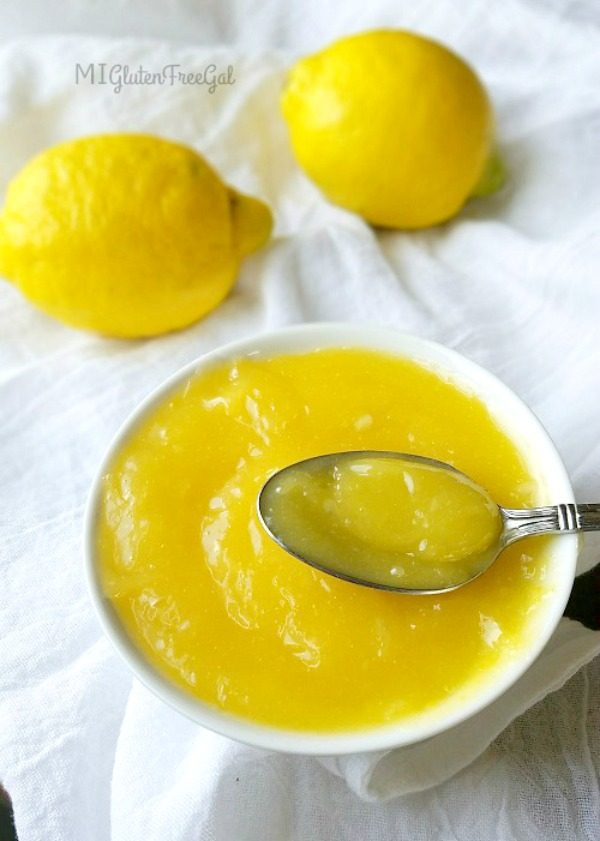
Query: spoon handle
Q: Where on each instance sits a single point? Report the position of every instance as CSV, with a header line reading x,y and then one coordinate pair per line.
x,y
552,519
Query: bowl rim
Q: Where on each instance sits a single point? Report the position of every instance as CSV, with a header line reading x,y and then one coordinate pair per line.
x,y
304,338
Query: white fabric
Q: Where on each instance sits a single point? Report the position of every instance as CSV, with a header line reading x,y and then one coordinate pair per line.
x,y
86,753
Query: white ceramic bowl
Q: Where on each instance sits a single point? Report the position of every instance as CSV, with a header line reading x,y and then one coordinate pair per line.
x,y
512,415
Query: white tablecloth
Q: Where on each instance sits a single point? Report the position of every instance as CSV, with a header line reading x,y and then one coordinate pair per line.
x,y
86,753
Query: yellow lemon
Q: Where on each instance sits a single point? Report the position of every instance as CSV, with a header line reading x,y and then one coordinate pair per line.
x,y
125,234
393,126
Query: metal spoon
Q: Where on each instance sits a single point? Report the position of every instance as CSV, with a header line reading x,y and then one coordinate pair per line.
x,y
514,524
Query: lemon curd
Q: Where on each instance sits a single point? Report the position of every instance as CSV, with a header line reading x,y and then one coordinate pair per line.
x,y
221,611
383,518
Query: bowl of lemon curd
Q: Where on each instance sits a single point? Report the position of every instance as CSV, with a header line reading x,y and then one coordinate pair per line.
x,y
225,626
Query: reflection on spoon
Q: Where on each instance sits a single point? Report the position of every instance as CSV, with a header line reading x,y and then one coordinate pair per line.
x,y
398,521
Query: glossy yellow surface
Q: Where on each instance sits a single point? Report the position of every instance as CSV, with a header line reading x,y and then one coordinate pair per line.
x,y
231,618
384,519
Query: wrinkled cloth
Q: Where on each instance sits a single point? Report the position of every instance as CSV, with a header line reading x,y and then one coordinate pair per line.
x,y
87,753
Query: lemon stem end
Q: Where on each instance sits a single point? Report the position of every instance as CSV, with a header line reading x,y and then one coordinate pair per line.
x,y
492,177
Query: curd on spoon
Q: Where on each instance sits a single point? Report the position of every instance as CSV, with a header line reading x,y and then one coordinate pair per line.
x,y
392,520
